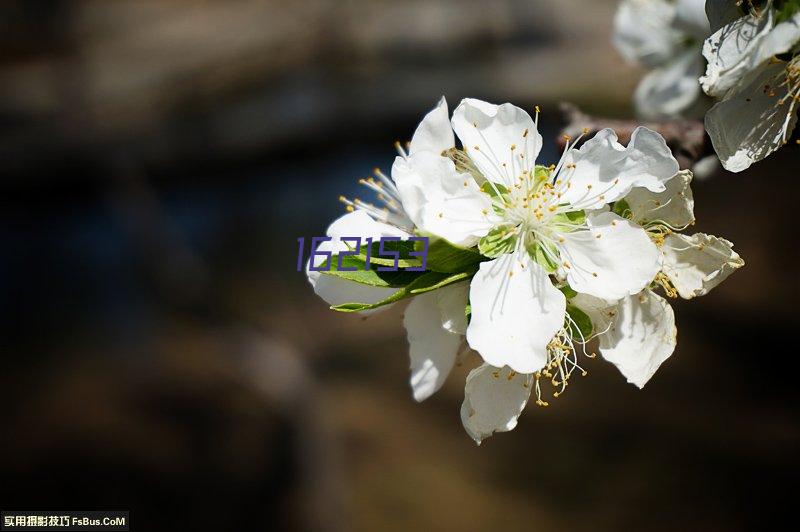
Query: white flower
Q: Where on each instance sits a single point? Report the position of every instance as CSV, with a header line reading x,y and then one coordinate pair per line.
x,y
639,331
690,265
636,333
535,221
754,68
665,37
567,253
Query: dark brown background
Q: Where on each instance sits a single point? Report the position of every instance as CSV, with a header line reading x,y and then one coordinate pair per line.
x,y
160,353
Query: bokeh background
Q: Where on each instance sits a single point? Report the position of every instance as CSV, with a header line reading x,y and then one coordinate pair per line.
x,y
161,354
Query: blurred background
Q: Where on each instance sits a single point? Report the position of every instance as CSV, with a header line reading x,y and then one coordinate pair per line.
x,y
162,355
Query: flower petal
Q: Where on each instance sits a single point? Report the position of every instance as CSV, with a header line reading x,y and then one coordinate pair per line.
x,y
432,349
516,311
602,312
751,123
502,140
641,338
434,132
783,37
674,206
605,171
690,17
611,259
696,264
643,32
733,51
335,290
493,400
452,301
442,201
672,90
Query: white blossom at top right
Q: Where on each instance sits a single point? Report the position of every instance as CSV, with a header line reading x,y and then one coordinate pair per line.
x,y
754,72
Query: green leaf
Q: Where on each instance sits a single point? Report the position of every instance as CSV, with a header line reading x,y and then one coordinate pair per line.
x,y
568,221
493,188
498,241
580,324
425,282
372,276
444,256
404,247
621,208
569,293
576,217
468,310
537,253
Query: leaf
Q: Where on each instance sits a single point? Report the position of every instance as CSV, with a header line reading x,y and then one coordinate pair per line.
x,y
370,277
621,208
568,292
568,221
499,241
404,247
425,282
493,188
580,325
444,256
537,252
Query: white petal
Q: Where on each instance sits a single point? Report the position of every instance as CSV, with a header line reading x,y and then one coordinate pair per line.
x,y
502,140
442,201
605,170
783,37
674,206
643,32
641,338
493,401
611,259
733,51
672,90
601,311
335,290
696,264
750,124
452,301
690,17
432,349
516,311
434,132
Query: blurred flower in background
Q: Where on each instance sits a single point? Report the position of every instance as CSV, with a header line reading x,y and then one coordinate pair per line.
x,y
666,37
754,70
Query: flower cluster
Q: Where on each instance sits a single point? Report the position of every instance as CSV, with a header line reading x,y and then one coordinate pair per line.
x,y
527,263
754,70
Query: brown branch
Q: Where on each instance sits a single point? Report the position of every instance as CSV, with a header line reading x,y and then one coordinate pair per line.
x,y
686,138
